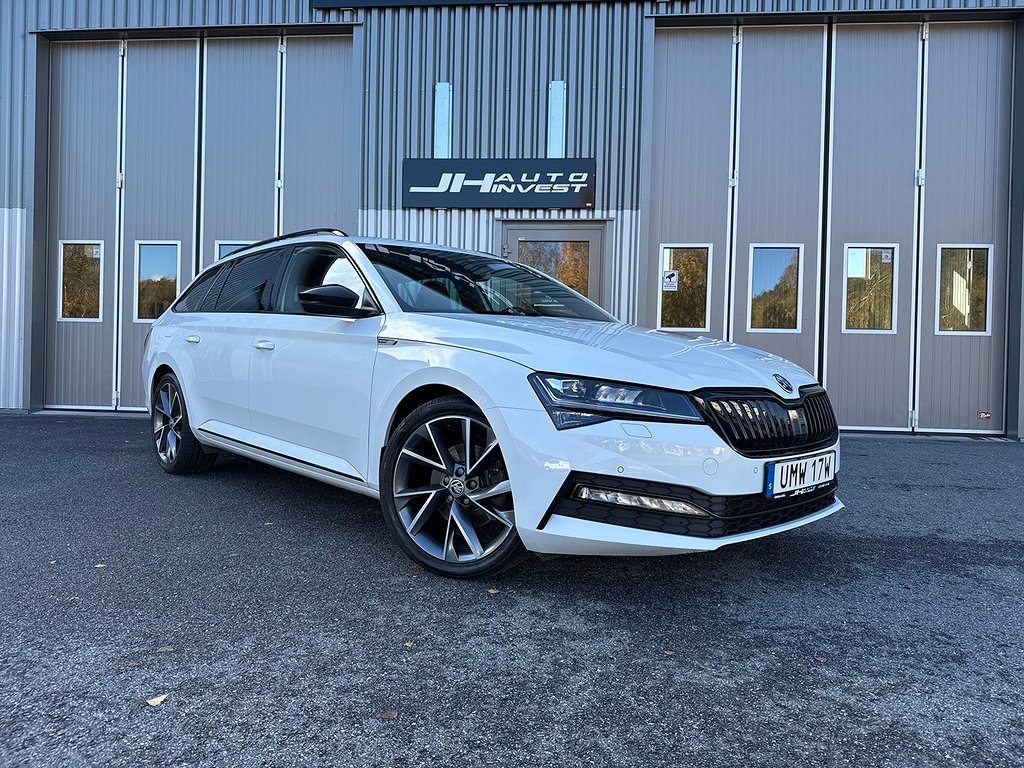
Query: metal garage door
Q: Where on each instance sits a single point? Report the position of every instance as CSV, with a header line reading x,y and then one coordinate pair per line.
x,y
779,194
135,174
872,223
962,309
121,210
240,153
319,135
82,224
690,215
158,220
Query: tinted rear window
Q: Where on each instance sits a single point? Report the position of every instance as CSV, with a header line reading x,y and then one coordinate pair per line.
x,y
250,283
193,297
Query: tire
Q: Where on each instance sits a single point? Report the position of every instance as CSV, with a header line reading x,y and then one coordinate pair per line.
x,y
452,516
177,450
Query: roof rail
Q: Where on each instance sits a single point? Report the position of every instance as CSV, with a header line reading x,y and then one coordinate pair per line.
x,y
289,235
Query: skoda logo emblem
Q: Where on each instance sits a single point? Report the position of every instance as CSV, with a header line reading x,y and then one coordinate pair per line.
x,y
457,488
784,382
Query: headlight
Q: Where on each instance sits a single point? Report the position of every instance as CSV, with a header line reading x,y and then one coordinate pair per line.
x,y
572,401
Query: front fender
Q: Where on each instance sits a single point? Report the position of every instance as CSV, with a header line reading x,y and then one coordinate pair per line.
x,y
489,381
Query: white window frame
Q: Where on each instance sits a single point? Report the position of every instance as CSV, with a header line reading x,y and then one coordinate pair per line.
x,y
990,247
218,243
799,291
60,280
664,249
895,287
177,276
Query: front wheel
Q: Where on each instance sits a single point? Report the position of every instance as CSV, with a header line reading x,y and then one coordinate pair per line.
x,y
446,493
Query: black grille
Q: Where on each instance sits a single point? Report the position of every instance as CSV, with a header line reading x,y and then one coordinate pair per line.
x,y
730,515
760,424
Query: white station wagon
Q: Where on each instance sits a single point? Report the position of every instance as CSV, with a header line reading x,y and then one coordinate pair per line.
x,y
491,409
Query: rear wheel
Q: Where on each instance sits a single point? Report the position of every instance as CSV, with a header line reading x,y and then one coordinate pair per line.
x,y
177,449
446,493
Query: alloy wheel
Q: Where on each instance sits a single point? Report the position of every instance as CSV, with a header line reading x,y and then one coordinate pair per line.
x,y
452,490
167,414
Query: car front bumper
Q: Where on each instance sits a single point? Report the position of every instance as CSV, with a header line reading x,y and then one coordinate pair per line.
x,y
545,465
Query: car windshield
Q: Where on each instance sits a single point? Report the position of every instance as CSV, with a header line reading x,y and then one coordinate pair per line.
x,y
428,280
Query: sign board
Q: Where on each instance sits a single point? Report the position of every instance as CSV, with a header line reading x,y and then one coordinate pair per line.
x,y
496,183
670,280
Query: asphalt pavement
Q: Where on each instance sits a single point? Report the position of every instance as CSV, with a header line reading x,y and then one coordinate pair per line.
x,y
285,628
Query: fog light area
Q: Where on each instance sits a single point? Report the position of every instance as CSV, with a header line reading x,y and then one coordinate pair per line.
x,y
639,501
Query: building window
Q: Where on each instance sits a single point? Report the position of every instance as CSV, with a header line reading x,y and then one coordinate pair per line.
x,y
222,248
775,299
442,120
963,285
556,118
156,271
870,288
685,288
81,280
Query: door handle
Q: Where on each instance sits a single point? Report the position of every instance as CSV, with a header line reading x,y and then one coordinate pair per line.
x,y
193,339
264,344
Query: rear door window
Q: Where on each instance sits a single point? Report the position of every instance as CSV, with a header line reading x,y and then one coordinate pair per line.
x,y
192,299
249,286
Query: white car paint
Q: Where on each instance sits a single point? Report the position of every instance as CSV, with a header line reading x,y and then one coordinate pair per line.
x,y
321,401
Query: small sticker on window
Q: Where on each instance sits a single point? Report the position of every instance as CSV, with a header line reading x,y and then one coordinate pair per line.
x,y
984,414
887,257
95,251
670,281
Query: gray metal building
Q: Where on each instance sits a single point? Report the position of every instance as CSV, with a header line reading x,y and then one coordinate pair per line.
x,y
837,182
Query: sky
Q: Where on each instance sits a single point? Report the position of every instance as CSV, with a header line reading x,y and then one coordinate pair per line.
x,y
157,262
769,264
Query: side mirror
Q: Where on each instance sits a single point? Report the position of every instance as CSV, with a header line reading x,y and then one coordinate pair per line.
x,y
336,300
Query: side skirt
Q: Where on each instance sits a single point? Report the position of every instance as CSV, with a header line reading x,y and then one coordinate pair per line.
x,y
314,471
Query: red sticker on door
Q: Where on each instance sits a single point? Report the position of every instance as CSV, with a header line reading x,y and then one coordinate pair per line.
x,y
984,414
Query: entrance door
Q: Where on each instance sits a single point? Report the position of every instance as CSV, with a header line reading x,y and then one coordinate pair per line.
x,y
570,254
869,337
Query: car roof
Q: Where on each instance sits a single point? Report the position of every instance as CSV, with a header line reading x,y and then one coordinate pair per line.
x,y
319,234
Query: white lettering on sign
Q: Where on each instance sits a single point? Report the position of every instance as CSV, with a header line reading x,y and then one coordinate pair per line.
x,y
497,183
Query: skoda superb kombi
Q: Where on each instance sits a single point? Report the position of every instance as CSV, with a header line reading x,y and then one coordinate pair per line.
x,y
491,409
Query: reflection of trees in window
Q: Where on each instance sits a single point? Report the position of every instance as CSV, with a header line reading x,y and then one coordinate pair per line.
x,y
963,289
869,288
686,307
574,266
80,281
776,286
567,262
155,296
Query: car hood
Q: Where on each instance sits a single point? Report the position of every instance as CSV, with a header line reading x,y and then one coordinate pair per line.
x,y
614,351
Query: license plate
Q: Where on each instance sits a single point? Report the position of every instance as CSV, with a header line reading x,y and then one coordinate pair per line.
x,y
790,478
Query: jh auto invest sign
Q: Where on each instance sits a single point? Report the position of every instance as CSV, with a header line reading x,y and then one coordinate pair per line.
x,y
540,183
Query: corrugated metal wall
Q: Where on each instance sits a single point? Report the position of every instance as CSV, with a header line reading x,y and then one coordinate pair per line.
x,y
500,61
